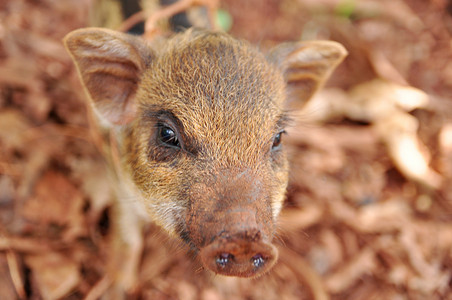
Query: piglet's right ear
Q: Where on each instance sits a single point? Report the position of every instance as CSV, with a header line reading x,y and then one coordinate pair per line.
x,y
110,65
306,66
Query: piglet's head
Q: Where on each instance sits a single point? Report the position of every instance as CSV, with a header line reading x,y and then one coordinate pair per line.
x,y
200,119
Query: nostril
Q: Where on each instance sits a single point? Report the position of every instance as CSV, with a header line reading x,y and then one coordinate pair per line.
x,y
258,260
238,257
223,259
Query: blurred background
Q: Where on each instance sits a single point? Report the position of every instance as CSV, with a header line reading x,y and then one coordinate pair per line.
x,y
369,207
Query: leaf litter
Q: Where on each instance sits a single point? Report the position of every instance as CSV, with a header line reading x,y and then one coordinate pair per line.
x,y
369,207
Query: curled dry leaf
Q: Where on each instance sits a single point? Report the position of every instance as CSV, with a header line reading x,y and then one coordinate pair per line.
x,y
407,253
429,277
329,255
55,274
56,201
362,264
399,132
445,138
304,273
382,217
16,155
13,124
379,99
298,219
384,105
6,284
445,144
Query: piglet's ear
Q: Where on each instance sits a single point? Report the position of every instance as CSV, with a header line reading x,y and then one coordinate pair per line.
x,y
110,65
307,65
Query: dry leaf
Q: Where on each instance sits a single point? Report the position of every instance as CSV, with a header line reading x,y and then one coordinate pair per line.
x,y
402,234
399,132
6,285
363,264
54,273
56,201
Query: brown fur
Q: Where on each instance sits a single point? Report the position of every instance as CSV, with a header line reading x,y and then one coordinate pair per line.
x,y
223,189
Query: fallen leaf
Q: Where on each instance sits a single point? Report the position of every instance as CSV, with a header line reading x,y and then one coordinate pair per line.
x,y
6,285
363,264
56,201
54,273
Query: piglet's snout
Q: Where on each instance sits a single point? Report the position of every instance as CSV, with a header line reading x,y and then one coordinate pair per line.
x,y
231,224
242,254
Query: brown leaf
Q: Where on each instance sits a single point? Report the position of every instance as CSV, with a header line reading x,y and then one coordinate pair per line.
x,y
6,284
364,263
56,201
54,274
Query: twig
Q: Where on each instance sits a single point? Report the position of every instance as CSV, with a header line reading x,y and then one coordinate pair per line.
x,y
150,27
9,169
132,21
305,273
21,244
99,289
15,274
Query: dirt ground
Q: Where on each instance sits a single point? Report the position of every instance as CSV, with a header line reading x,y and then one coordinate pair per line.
x,y
369,207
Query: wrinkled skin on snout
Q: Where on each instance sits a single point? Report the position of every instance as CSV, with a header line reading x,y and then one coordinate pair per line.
x,y
236,237
199,120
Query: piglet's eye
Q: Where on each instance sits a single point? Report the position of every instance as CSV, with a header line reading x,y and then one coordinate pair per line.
x,y
277,140
168,137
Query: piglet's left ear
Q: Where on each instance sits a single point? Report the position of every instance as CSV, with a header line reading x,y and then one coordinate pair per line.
x,y
307,65
110,65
